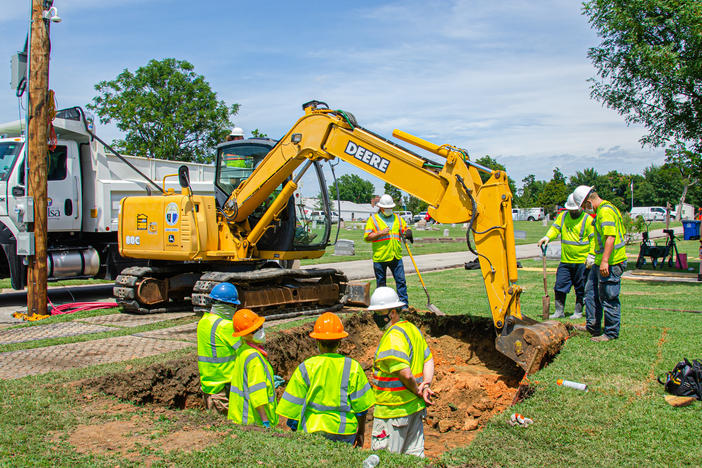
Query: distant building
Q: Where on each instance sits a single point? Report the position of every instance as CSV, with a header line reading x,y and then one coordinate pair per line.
x,y
349,211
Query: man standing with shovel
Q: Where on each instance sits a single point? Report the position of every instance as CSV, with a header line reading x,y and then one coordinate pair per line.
x,y
575,228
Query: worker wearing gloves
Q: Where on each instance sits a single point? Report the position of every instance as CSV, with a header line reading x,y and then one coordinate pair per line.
x,y
216,347
252,397
385,230
403,369
328,394
607,262
575,228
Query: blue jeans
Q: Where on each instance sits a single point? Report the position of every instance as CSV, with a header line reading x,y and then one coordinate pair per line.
x,y
570,274
602,296
398,272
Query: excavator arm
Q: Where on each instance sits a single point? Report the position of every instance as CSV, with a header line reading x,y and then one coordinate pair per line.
x,y
453,189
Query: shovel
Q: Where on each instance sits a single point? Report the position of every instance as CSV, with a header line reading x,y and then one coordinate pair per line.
x,y
430,306
546,300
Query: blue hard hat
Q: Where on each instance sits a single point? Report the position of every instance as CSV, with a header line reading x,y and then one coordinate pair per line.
x,y
225,292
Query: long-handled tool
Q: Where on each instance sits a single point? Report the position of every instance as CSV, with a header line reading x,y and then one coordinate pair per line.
x,y
430,306
546,300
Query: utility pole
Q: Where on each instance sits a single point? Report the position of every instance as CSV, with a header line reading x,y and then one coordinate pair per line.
x,y
37,150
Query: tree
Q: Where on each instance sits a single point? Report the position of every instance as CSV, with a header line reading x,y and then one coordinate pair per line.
x,y
256,133
649,65
354,189
394,192
530,193
689,164
415,205
166,110
554,193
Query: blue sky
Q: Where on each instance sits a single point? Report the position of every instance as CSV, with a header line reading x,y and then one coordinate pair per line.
x,y
506,78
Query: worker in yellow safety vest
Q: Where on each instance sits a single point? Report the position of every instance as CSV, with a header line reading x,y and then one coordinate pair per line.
x,y
608,255
575,228
216,347
385,230
252,396
328,394
403,369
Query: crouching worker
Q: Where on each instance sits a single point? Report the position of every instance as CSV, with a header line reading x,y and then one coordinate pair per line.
x,y
252,396
328,394
216,347
403,369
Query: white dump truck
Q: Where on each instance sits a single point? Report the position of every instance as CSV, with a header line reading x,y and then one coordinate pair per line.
x,y
86,181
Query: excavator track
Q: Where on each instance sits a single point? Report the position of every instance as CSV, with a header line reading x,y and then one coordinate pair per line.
x,y
274,292
278,292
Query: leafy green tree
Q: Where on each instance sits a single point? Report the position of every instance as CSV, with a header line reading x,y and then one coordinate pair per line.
x,y
554,192
354,189
649,65
394,192
689,164
415,205
166,110
256,133
530,193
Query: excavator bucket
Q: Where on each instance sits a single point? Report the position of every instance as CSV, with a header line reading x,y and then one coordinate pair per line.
x,y
529,343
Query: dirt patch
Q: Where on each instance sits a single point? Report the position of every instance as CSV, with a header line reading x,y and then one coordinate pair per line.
x,y
473,380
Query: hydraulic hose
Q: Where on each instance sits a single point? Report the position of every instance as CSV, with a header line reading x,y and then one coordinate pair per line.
x,y
474,210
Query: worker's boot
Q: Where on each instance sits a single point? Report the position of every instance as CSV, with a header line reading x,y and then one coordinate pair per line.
x,y
560,305
578,312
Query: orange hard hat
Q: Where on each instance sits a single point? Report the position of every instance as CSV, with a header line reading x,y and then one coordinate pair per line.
x,y
246,321
328,327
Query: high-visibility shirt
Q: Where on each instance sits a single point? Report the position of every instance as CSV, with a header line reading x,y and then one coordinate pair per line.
x,y
324,394
389,247
216,352
575,236
401,346
252,386
608,222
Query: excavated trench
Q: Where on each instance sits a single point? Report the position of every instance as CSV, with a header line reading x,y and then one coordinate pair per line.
x,y
473,380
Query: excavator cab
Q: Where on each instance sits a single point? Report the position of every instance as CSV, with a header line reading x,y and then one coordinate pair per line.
x,y
295,230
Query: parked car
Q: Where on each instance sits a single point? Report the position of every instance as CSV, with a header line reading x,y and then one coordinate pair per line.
x,y
650,213
406,215
419,216
528,214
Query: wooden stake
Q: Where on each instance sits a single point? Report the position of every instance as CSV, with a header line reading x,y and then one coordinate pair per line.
x,y
37,150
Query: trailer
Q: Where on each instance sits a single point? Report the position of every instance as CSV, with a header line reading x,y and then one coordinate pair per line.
x,y
86,182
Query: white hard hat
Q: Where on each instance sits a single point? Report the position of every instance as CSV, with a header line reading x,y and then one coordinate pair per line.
x,y
386,201
570,203
385,298
581,193
236,131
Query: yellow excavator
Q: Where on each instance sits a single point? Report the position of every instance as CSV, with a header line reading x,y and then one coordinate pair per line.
x,y
252,229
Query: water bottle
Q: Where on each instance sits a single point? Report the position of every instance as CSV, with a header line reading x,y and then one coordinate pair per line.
x,y
371,461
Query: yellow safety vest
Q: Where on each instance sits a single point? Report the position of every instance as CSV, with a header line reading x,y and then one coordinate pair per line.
x,y
325,392
575,236
386,248
608,222
216,352
401,346
252,386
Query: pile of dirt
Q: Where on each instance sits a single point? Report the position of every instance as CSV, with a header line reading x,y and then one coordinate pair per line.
x,y
472,379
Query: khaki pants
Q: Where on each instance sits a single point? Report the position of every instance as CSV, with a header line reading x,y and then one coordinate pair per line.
x,y
217,401
400,435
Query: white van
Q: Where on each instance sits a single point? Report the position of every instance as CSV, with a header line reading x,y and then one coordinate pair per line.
x,y
649,213
406,215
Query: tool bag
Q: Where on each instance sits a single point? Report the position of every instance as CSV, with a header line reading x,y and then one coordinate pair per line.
x,y
685,379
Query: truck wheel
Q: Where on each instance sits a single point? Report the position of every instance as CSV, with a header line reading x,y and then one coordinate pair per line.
x,y
531,218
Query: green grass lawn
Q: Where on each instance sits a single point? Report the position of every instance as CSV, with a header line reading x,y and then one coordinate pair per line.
x,y
621,421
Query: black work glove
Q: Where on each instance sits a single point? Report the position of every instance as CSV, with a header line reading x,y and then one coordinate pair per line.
x,y
408,236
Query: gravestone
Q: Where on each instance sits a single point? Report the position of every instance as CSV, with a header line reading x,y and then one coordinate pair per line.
x,y
344,247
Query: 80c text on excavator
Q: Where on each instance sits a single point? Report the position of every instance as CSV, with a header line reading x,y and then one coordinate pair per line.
x,y
251,229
